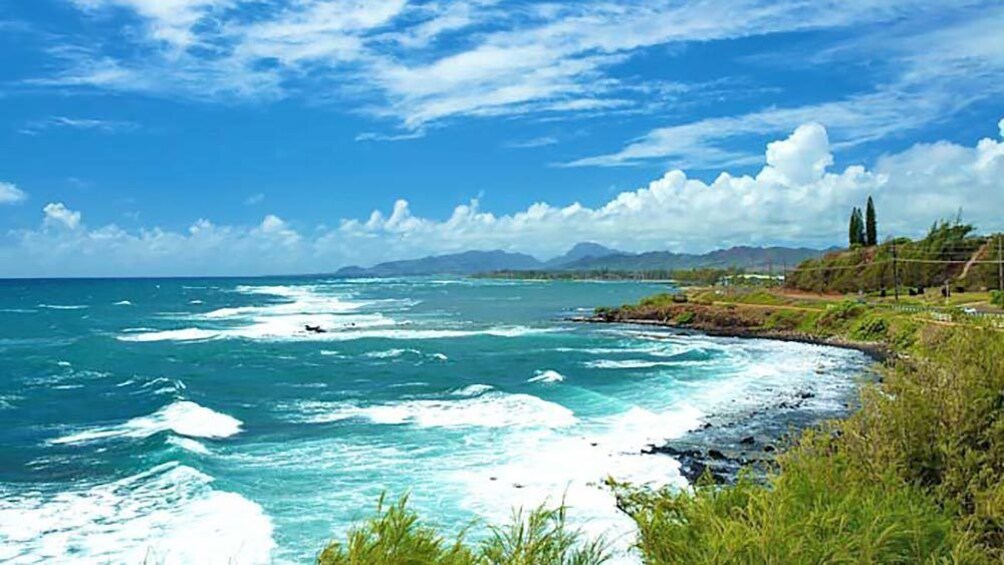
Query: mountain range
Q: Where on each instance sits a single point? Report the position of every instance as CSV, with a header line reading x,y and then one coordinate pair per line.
x,y
587,257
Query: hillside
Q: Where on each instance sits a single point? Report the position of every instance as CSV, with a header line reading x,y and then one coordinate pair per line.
x,y
750,258
949,254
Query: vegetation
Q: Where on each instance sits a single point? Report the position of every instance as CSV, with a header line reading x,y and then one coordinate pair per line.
x,y
915,476
396,536
683,277
856,231
871,224
949,256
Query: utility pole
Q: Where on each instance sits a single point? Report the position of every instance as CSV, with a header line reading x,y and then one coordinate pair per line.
x,y
895,271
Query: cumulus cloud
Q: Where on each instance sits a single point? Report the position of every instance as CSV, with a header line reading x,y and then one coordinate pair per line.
x,y
796,198
11,194
58,215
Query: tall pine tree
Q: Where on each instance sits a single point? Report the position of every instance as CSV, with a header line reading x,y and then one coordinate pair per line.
x,y
854,229
860,223
871,226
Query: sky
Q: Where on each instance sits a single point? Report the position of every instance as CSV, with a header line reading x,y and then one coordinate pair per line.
x,y
244,137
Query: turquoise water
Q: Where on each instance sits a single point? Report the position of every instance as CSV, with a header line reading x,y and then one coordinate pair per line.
x,y
196,421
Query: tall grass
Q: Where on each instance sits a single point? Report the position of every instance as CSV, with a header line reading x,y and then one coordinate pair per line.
x,y
916,476
395,536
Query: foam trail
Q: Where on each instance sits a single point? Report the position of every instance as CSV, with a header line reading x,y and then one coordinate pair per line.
x,y
182,417
62,306
122,303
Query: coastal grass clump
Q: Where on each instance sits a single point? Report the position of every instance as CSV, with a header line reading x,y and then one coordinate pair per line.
x,y
395,535
915,476
815,510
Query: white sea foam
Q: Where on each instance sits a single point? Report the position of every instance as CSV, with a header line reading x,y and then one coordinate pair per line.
x,y
168,515
195,302
182,417
488,409
391,353
123,303
631,364
472,390
292,329
548,376
184,334
62,306
188,444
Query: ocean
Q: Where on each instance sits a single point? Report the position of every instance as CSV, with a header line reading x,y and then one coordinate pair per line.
x,y
198,421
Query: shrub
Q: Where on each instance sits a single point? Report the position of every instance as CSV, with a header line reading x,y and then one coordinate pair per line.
x,y
784,320
684,318
870,328
997,298
395,536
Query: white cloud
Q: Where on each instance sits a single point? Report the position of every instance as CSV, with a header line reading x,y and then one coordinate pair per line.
x,y
57,214
35,127
11,194
254,199
534,142
796,198
421,63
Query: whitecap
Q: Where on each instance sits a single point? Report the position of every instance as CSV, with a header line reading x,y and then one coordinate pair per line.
x,y
181,417
472,390
195,302
547,376
184,334
62,306
168,515
188,444
123,303
491,409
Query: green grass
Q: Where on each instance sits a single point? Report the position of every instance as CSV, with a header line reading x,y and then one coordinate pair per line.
x,y
915,476
395,535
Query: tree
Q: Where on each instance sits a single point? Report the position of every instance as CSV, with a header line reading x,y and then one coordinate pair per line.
x,y
856,229
871,226
852,229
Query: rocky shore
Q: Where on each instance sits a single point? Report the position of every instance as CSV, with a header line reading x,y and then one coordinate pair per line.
x,y
730,441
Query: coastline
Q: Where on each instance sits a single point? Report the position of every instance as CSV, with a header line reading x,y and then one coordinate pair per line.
x,y
878,351
727,443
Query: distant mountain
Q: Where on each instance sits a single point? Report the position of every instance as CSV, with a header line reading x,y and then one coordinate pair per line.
x,y
750,258
587,257
580,252
466,263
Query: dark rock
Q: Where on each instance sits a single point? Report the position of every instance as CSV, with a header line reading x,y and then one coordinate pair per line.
x,y
748,440
768,448
715,454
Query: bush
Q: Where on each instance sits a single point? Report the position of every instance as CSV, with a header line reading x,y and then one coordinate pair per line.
x,y
684,318
997,298
395,536
784,320
818,510
870,328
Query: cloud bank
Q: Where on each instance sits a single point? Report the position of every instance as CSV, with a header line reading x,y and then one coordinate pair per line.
x,y
796,198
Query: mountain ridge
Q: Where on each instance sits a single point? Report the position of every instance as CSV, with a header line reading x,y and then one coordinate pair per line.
x,y
587,256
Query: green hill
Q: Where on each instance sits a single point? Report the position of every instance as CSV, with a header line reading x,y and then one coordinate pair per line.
x,y
950,254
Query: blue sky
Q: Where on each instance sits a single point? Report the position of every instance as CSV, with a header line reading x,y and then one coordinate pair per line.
x,y
266,136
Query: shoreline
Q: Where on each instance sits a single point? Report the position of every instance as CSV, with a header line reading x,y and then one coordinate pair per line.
x,y
728,443
877,351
